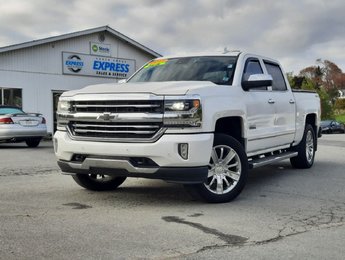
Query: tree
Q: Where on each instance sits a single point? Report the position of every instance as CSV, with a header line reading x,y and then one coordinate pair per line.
x,y
315,74
326,105
295,81
340,104
326,78
333,79
303,82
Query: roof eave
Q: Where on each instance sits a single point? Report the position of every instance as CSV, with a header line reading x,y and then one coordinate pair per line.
x,y
77,34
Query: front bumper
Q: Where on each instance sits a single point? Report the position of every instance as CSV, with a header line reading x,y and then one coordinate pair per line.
x,y
173,174
117,158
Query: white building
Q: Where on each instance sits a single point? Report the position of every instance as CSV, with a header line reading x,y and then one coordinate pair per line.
x,y
341,93
34,74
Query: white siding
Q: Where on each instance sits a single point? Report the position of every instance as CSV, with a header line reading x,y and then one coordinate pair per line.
x,y
38,70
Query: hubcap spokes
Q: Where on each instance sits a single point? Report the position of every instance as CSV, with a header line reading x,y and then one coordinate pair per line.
x,y
309,147
224,170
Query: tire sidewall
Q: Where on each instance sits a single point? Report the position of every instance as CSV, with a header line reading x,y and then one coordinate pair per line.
x,y
307,129
222,139
301,161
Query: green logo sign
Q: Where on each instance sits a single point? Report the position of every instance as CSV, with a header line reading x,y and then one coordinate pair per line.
x,y
94,48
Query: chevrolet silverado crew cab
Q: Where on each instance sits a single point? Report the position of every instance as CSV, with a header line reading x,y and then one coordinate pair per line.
x,y
203,121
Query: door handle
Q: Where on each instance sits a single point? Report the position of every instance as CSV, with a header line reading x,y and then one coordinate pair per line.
x,y
292,101
271,101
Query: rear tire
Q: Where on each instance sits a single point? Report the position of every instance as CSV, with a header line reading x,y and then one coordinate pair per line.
x,y
33,142
306,150
227,175
98,182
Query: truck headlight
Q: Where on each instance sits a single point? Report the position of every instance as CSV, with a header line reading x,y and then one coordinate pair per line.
x,y
181,105
63,106
182,111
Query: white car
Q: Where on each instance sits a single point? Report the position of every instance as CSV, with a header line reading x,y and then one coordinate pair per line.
x,y
18,126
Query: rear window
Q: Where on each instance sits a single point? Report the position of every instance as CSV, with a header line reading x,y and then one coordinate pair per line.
x,y
10,110
277,75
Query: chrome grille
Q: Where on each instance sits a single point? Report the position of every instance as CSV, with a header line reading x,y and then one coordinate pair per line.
x,y
114,130
116,120
119,106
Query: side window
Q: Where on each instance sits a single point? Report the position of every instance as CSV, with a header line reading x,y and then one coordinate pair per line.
x,y
277,75
251,67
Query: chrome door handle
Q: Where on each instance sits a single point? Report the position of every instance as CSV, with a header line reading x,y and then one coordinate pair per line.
x,y
292,101
271,101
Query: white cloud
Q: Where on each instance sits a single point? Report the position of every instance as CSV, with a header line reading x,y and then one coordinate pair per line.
x,y
294,32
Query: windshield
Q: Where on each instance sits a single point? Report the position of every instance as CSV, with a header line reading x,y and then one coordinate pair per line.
x,y
217,69
10,110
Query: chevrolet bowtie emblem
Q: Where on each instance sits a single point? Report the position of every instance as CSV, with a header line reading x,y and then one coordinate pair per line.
x,y
106,116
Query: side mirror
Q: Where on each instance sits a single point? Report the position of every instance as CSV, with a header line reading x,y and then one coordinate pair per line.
x,y
257,81
121,81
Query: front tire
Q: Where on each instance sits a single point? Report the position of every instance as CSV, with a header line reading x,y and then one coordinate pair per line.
x,y
306,150
98,182
227,174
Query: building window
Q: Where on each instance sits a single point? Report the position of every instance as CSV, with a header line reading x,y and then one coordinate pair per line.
x,y
11,97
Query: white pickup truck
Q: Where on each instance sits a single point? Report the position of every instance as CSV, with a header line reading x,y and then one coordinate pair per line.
x,y
198,120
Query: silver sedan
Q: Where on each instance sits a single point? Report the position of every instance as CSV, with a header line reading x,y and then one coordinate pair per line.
x,y
18,126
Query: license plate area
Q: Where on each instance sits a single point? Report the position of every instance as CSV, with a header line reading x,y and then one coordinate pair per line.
x,y
28,122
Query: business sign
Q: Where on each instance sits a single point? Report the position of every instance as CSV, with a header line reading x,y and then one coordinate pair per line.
x,y
100,49
97,66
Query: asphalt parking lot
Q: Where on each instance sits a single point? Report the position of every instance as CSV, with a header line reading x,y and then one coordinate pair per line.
x,y
283,213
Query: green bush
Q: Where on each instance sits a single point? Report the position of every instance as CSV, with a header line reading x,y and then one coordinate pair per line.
x,y
326,105
340,118
340,104
325,100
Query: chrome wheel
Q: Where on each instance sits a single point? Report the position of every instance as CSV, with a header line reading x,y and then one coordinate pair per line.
x,y
227,171
306,150
224,170
309,146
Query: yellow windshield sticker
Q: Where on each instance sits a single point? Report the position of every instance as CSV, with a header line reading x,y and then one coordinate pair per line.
x,y
155,63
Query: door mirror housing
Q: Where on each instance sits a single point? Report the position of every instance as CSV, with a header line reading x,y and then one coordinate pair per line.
x,y
257,81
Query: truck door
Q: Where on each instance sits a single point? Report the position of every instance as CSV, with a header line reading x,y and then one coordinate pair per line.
x,y
260,112
284,105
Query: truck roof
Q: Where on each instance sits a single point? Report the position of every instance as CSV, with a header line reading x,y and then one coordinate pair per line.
x,y
233,53
201,54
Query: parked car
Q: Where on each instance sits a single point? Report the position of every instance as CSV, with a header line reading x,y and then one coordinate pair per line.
x,y
18,126
332,126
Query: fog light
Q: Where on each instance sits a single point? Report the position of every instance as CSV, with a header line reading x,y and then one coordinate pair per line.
x,y
183,150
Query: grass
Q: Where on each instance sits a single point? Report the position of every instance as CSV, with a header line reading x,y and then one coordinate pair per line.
x,y
340,118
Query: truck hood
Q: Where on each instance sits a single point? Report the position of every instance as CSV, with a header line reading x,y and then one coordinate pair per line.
x,y
156,88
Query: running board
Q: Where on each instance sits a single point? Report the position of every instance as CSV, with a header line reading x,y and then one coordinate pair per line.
x,y
255,163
